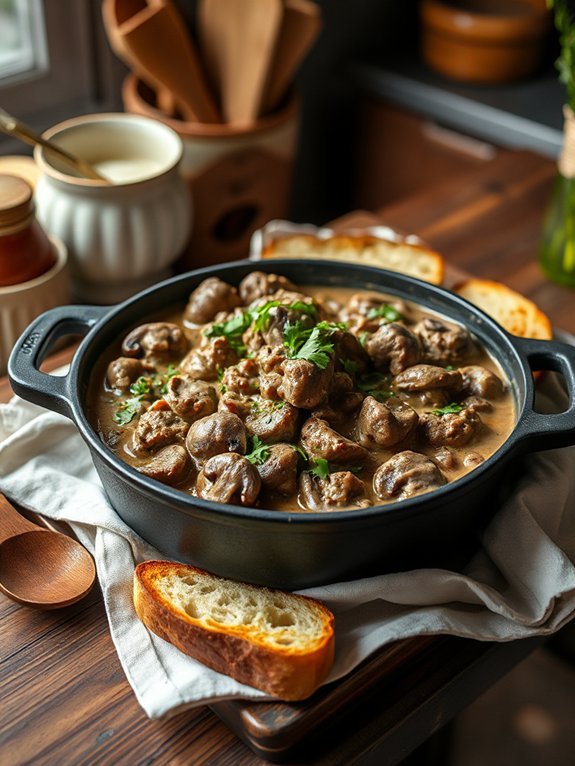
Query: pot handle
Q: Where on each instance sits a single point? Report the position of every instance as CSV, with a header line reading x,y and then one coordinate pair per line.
x,y
543,430
26,379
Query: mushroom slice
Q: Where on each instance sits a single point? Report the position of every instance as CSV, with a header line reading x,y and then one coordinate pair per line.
x,y
229,478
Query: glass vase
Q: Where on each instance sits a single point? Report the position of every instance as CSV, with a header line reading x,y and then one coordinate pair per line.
x,y
557,243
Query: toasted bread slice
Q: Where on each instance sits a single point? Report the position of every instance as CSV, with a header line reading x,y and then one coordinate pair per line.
x,y
416,260
517,314
276,641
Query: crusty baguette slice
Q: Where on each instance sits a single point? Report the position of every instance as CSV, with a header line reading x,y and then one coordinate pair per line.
x,y
517,314
413,259
276,641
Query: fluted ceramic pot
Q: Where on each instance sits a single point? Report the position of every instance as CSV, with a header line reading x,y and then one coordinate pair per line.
x,y
122,236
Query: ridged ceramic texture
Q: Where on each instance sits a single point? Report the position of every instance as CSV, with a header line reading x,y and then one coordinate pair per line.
x,y
21,304
118,233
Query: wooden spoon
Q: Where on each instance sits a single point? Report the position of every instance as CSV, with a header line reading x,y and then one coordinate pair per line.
x,y
299,30
238,40
115,13
13,127
158,46
39,567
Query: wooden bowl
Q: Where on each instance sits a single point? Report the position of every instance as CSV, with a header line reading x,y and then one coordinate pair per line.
x,y
484,41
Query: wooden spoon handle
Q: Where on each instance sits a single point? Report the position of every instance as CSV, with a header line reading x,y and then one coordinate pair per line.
x,y
11,522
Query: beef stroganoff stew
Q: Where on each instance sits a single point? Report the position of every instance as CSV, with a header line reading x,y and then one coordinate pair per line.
x,y
301,399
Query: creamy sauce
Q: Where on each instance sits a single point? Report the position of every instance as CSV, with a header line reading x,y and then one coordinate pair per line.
x,y
497,424
127,170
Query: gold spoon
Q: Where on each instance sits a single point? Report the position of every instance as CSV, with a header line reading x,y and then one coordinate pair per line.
x,y
14,127
39,567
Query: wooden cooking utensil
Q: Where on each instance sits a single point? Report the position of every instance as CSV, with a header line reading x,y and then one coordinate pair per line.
x,y
115,13
238,40
154,41
40,567
299,30
13,127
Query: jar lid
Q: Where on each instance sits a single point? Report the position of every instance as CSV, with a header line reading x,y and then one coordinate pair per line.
x,y
16,200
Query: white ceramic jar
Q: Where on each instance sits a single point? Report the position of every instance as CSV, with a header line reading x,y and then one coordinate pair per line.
x,y
123,236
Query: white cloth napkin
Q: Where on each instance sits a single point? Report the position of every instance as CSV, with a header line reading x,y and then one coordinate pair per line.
x,y
520,584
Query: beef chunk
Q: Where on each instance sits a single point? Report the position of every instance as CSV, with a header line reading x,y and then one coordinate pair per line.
x,y
238,404
209,298
279,472
241,378
385,424
406,474
170,465
272,421
477,404
451,429
393,347
189,398
124,371
258,285
422,377
155,341
341,489
443,344
304,384
157,427
229,478
321,441
207,362
214,434
479,381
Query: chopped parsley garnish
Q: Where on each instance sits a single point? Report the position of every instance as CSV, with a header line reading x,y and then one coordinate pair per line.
x,y
375,384
449,409
385,312
349,365
232,329
320,468
145,387
450,367
362,337
128,410
260,451
311,344
261,314
300,451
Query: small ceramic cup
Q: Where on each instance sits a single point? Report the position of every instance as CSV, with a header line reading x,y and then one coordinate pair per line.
x,y
124,236
20,304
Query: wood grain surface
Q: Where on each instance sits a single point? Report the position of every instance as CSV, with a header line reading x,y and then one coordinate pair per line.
x,y
65,699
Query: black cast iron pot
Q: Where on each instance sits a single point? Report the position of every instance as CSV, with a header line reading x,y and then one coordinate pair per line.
x,y
297,550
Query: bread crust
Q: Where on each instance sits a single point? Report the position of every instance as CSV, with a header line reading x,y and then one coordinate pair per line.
x,y
288,673
516,313
417,260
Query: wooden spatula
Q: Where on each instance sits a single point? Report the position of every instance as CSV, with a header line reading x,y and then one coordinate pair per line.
x,y
300,28
115,13
238,38
161,50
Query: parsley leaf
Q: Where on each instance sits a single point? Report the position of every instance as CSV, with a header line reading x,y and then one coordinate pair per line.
x,y
316,349
311,344
349,365
320,468
261,314
362,338
300,451
385,312
375,384
128,410
449,409
232,329
260,451
141,386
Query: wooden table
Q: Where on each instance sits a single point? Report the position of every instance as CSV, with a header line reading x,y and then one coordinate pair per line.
x,y
65,699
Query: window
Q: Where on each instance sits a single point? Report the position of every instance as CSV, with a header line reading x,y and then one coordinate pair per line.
x,y
55,63
23,50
